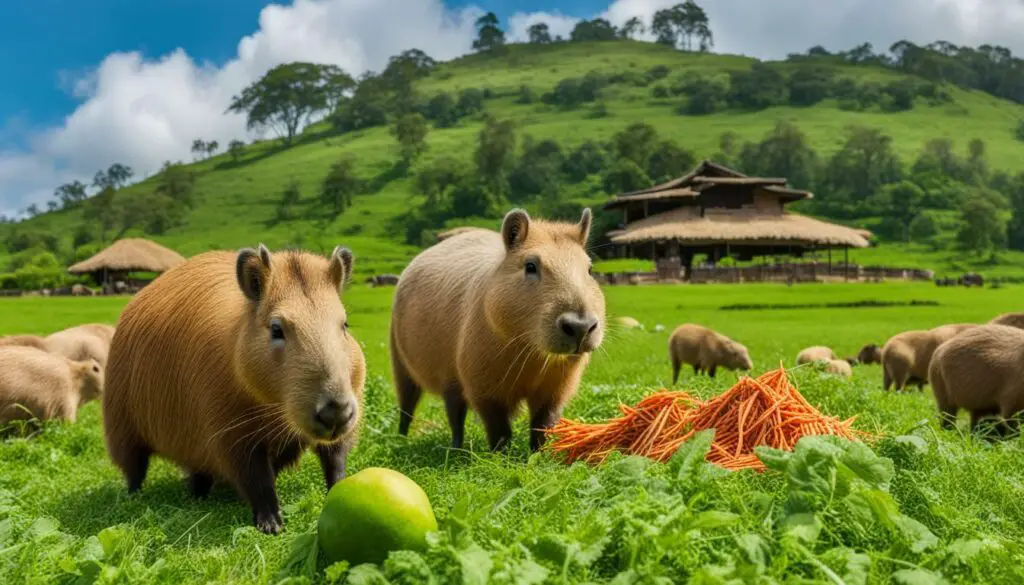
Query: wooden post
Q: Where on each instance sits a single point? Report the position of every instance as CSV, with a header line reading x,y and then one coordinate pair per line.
x,y
830,260
846,263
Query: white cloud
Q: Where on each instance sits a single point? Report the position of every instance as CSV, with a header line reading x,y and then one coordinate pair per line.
x,y
142,112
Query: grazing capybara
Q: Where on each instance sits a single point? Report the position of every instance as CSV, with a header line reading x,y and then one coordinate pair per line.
x,y
40,385
839,368
23,341
869,354
82,342
906,356
489,320
230,365
383,280
705,350
815,354
980,371
1010,320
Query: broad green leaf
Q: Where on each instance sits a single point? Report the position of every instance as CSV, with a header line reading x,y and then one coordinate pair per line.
x,y
965,550
853,566
6,527
917,577
41,528
754,548
476,565
528,572
406,567
294,581
712,519
553,548
366,574
301,559
773,458
689,458
918,535
334,574
92,550
867,465
804,527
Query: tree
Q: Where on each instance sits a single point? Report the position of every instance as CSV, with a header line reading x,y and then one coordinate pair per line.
x,y
859,169
1015,230
290,197
435,181
539,33
286,97
489,34
902,204
101,211
598,29
495,154
538,170
32,210
663,25
70,194
668,161
176,183
52,206
633,27
340,185
587,159
198,147
336,85
411,132
762,86
442,111
211,148
366,108
116,176
924,228
982,228
624,176
681,25
636,143
236,148
784,152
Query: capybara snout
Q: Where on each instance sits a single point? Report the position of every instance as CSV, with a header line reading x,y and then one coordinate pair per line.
x,y
577,333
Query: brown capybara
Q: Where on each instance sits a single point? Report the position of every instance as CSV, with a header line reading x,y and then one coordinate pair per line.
x,y
906,356
23,341
705,350
838,367
814,354
869,354
40,385
1010,320
230,365
488,320
980,371
82,342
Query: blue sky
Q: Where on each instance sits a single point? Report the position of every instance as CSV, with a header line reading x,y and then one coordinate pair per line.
x,y
43,41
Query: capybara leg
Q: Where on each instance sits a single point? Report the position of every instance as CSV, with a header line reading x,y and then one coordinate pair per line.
x,y
886,378
333,460
409,394
455,405
543,418
134,461
696,369
711,371
199,484
676,366
947,416
286,456
977,416
255,481
495,418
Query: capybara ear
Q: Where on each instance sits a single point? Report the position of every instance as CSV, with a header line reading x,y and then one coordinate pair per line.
x,y
585,220
250,268
341,265
514,228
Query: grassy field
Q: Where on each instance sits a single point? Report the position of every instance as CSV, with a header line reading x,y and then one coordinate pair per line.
x,y
237,200
940,506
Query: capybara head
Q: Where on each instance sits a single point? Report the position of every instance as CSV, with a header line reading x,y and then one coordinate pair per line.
x,y
736,356
543,292
91,385
870,354
292,348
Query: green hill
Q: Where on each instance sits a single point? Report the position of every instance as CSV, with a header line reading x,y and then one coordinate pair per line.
x,y
236,200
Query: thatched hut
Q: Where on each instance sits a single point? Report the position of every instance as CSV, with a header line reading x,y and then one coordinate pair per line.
x,y
125,256
720,212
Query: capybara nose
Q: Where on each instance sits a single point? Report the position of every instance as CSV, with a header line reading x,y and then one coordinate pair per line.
x,y
577,327
335,415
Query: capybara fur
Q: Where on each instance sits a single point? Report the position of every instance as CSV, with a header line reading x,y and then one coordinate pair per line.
x,y
815,354
82,342
980,371
230,365
869,354
23,341
705,350
906,356
488,320
35,384
1010,320
838,368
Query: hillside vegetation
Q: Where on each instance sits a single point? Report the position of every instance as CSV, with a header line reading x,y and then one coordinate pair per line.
x,y
626,105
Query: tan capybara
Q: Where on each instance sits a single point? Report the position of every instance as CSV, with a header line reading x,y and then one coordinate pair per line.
x,y
489,320
906,356
980,371
230,365
817,353
838,368
705,350
82,342
1010,320
40,385
627,323
23,341
869,354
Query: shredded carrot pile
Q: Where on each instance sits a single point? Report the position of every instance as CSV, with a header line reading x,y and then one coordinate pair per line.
x,y
767,410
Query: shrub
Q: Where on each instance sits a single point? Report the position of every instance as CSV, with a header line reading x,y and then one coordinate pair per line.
x,y
588,158
657,72
442,111
471,101
923,228
634,78
760,87
624,176
900,95
526,95
809,85
660,91
706,97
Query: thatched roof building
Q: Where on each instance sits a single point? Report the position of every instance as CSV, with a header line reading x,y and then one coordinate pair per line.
x,y
717,211
128,255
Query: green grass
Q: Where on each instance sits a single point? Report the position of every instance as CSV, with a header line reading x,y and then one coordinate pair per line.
x,y
64,508
237,201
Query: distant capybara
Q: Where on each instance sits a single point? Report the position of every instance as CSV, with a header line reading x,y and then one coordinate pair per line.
x,y
705,350
980,371
814,354
40,385
230,365
906,356
839,368
23,341
870,354
627,323
1010,320
489,320
82,342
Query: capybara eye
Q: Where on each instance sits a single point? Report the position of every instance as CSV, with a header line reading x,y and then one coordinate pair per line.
x,y
344,326
590,269
532,270
276,332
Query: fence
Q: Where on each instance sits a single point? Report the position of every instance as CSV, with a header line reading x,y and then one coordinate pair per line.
x,y
793,272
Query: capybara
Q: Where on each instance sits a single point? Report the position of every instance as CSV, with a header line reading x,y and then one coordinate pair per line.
x,y
839,368
230,365
82,342
705,350
23,341
870,354
627,323
40,385
980,371
488,320
906,356
1010,320
815,354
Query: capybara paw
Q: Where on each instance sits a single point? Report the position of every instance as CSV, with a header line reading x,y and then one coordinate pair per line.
x,y
199,485
268,522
